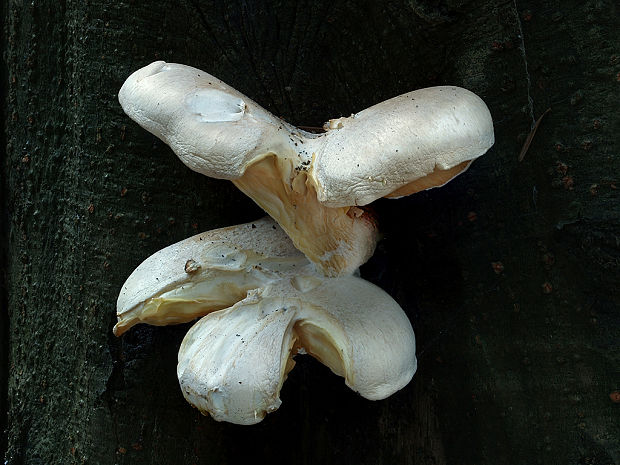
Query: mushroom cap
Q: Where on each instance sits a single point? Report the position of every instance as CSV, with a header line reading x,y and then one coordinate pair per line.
x,y
427,135
359,332
396,142
205,272
233,362
212,128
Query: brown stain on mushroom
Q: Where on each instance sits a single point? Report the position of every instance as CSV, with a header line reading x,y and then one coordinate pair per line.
x,y
334,239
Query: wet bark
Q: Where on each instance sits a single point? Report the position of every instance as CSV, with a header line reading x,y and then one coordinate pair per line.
x,y
508,274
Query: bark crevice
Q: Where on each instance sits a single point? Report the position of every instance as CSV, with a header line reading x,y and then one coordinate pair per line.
x,y
4,241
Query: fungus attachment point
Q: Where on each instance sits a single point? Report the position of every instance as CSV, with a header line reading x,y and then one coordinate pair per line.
x,y
309,182
262,302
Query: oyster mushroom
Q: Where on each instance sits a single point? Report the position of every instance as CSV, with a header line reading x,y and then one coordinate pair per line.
x,y
314,185
206,272
234,360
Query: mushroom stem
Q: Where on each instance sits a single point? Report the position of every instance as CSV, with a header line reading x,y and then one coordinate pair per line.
x,y
337,240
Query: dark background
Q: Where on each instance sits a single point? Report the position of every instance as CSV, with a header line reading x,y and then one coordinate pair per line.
x,y
518,361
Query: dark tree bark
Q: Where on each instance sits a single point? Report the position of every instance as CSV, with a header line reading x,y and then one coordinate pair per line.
x,y
517,366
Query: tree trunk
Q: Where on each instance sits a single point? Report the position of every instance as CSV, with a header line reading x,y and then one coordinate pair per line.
x,y
508,274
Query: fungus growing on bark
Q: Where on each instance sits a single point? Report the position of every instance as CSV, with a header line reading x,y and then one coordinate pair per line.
x,y
313,185
261,302
259,298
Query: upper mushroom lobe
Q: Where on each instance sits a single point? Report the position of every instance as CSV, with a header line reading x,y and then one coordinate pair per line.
x,y
313,185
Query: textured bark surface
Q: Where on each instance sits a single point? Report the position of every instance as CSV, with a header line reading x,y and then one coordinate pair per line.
x,y
517,361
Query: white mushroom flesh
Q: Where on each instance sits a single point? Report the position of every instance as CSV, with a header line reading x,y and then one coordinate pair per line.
x,y
234,360
406,144
206,272
312,185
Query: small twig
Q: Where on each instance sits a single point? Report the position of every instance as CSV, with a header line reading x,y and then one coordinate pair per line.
x,y
530,136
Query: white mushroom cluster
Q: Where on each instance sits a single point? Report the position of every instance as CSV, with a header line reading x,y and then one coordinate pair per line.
x,y
260,302
267,290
